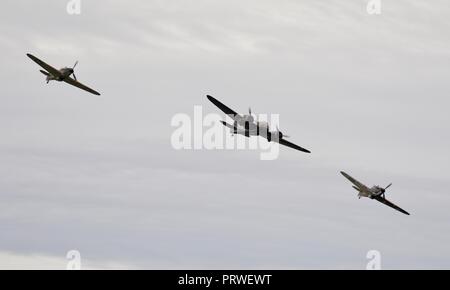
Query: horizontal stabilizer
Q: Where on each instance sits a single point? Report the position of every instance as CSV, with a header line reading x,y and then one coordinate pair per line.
x,y
44,72
227,125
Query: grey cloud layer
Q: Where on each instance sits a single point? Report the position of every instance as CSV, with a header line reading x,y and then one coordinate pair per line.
x,y
367,94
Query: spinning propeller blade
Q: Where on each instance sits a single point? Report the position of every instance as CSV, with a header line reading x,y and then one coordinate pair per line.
x,y
284,136
73,70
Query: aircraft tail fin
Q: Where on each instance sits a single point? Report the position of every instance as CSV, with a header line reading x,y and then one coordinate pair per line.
x,y
44,72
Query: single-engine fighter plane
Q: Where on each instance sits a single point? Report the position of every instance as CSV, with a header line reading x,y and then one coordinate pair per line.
x,y
376,192
61,75
251,128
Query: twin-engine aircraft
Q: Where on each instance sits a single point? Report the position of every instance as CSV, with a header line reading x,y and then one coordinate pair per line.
x,y
376,192
246,125
61,75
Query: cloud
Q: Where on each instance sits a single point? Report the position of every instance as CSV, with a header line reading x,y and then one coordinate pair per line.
x,y
15,261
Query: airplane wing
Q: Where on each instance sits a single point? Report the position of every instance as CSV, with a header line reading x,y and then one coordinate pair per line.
x,y
53,71
77,84
358,184
289,144
224,108
227,125
388,203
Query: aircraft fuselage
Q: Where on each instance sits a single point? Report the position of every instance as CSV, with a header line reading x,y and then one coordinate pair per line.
x,y
256,129
65,73
373,192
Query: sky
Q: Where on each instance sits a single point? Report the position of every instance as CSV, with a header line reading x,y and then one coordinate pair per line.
x,y
366,93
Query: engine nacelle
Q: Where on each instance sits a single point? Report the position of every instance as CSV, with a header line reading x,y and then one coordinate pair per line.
x,y
249,118
274,136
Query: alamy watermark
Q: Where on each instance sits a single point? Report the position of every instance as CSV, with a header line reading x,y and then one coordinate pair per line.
x,y
214,132
74,258
374,262
374,7
73,7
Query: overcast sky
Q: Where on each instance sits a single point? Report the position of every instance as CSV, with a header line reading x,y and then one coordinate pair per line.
x,y
367,94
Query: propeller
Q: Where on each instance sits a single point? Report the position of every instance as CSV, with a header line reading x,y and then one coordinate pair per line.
x,y
73,70
383,190
284,136
249,118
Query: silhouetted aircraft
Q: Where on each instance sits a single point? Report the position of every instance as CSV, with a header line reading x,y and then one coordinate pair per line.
x,y
246,125
376,192
61,75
